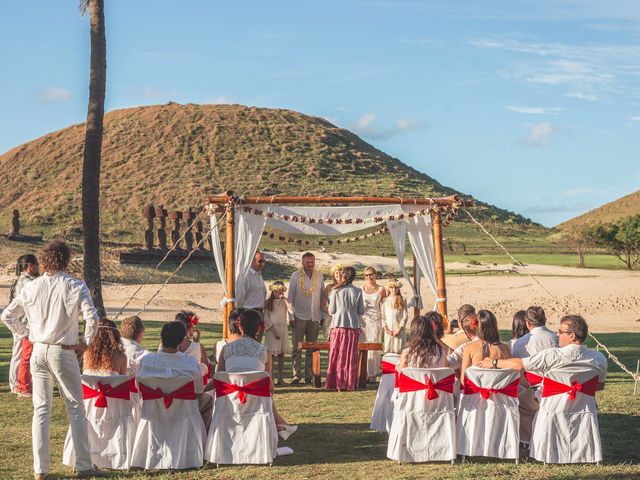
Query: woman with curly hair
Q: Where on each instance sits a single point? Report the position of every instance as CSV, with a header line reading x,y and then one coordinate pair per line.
x,y
105,354
424,349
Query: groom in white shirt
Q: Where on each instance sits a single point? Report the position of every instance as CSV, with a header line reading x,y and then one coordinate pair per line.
x,y
52,304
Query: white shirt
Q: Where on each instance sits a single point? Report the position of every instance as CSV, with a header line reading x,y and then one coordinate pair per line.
x,y
134,352
572,355
455,357
169,365
306,307
537,340
254,290
53,305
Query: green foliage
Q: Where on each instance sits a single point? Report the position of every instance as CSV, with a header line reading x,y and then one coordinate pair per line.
x,y
621,239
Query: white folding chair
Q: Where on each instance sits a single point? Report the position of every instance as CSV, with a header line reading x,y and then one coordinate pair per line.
x,y
565,429
488,419
170,433
382,414
243,428
110,425
424,423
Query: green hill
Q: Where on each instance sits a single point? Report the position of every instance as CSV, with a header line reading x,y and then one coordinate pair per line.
x,y
178,154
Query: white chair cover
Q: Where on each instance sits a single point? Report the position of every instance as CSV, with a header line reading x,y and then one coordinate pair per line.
x,y
424,429
168,438
565,430
382,414
242,433
489,427
111,430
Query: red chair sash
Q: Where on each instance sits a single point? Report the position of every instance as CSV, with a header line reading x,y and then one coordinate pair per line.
x,y
388,368
186,392
121,391
533,378
408,384
510,390
259,388
551,387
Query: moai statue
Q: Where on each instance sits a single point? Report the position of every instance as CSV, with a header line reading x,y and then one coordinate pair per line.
x,y
199,235
189,216
14,231
161,213
149,213
175,233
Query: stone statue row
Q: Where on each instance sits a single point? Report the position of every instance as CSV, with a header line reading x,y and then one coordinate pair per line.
x,y
194,230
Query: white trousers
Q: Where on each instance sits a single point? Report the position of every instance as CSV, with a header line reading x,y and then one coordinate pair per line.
x,y
16,353
49,363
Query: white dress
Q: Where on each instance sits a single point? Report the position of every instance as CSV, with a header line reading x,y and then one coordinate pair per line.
x,y
372,328
245,355
278,319
394,318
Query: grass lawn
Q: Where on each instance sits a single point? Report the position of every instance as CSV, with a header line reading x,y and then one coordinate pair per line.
x,y
334,441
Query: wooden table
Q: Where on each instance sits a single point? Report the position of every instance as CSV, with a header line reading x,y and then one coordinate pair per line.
x,y
363,349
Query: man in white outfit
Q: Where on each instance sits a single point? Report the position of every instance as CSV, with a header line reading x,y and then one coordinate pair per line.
x,y
132,333
52,304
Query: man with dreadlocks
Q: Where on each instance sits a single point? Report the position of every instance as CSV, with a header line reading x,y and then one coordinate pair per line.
x,y
52,304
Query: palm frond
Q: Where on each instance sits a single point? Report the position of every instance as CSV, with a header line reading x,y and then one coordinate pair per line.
x,y
83,7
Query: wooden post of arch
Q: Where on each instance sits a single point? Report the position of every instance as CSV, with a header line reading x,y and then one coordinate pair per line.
x,y
229,263
441,286
416,309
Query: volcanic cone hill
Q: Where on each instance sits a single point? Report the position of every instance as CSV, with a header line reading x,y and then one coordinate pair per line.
x,y
177,154
611,212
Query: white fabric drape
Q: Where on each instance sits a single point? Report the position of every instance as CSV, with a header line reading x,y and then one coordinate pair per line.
x,y
249,228
217,254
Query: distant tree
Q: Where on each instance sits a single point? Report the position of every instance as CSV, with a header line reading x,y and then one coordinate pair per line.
x,y
622,239
581,239
93,149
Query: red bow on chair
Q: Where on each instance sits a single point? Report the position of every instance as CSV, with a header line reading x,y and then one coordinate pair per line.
x,y
551,387
388,368
259,388
533,378
510,390
408,384
186,392
121,391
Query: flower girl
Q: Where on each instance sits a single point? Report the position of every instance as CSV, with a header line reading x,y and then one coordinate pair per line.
x,y
394,318
276,321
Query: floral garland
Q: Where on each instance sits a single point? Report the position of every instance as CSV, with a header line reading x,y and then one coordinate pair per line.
x,y
322,243
394,284
314,283
277,287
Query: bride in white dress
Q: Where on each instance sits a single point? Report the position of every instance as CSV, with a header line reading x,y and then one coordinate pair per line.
x,y
371,332
248,355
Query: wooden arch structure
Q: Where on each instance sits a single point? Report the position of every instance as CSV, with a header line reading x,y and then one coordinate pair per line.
x,y
227,201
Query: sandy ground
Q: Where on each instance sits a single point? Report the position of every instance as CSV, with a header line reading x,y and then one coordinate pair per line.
x,y
608,299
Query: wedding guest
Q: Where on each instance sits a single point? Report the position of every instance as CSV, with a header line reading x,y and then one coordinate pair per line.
x,y
170,362
105,354
234,334
346,307
518,326
132,333
539,337
191,344
394,318
424,350
248,355
336,273
52,304
276,314
571,352
469,326
373,296
454,340
306,289
27,269
488,344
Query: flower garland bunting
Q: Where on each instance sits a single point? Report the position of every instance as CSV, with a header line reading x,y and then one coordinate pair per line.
x,y
322,243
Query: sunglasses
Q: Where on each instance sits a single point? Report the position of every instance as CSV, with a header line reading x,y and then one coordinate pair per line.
x,y
560,332
260,262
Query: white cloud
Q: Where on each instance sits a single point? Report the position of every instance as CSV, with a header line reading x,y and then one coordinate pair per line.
x,y
220,100
54,95
534,110
540,135
366,126
589,97
577,207
635,118
576,191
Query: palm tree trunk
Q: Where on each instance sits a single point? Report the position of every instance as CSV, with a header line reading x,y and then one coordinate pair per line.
x,y
92,153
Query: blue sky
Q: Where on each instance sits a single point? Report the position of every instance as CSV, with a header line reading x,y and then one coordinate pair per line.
x,y
533,106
